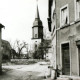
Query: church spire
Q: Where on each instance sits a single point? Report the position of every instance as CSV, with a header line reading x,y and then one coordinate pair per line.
x,y
37,21
37,12
37,26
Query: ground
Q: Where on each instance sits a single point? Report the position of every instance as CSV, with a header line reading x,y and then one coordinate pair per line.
x,y
25,72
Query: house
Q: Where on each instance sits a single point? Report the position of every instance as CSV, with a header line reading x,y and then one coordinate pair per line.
x,y
6,50
67,21
68,36
1,26
52,30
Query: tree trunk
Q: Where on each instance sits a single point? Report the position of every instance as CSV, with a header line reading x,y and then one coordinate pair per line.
x,y
19,55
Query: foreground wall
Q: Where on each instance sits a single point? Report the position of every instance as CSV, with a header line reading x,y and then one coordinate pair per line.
x,y
68,34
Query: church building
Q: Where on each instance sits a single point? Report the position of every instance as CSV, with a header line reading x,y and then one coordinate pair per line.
x,y
37,31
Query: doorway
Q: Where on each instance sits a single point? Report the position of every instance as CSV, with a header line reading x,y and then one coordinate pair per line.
x,y
65,59
79,58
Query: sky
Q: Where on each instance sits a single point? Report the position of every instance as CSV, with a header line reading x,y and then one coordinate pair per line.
x,y
18,16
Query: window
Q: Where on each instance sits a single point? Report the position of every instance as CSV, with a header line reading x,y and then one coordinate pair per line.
x,y
64,16
35,32
77,9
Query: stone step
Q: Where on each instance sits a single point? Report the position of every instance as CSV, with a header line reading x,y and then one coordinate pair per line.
x,y
68,78
76,79
64,79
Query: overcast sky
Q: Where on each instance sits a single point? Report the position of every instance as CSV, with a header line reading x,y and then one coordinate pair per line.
x,y
18,15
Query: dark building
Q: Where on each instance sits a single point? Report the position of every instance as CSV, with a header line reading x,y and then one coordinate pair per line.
x,y
6,50
1,26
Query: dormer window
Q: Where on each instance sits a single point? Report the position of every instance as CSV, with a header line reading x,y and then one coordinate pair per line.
x,y
64,16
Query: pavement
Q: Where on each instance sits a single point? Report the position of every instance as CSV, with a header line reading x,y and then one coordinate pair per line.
x,y
35,71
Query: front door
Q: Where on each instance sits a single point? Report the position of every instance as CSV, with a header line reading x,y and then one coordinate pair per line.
x,y
65,59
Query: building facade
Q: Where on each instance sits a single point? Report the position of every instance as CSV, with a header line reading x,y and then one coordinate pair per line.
x,y
52,29
67,24
68,36
6,50
1,26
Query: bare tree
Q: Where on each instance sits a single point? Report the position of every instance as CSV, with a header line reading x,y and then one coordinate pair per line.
x,y
20,47
13,53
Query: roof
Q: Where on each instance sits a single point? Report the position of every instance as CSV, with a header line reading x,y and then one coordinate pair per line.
x,y
6,44
37,21
1,26
37,13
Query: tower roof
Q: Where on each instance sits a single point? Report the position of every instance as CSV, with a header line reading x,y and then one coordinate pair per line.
x,y
37,21
37,13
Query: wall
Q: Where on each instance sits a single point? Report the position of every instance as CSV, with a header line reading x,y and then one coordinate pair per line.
x,y
0,54
68,34
35,41
61,3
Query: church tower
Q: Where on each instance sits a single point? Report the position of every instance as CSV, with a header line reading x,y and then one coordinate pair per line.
x,y
37,31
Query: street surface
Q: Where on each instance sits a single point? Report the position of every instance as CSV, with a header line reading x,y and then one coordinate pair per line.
x,y
25,72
